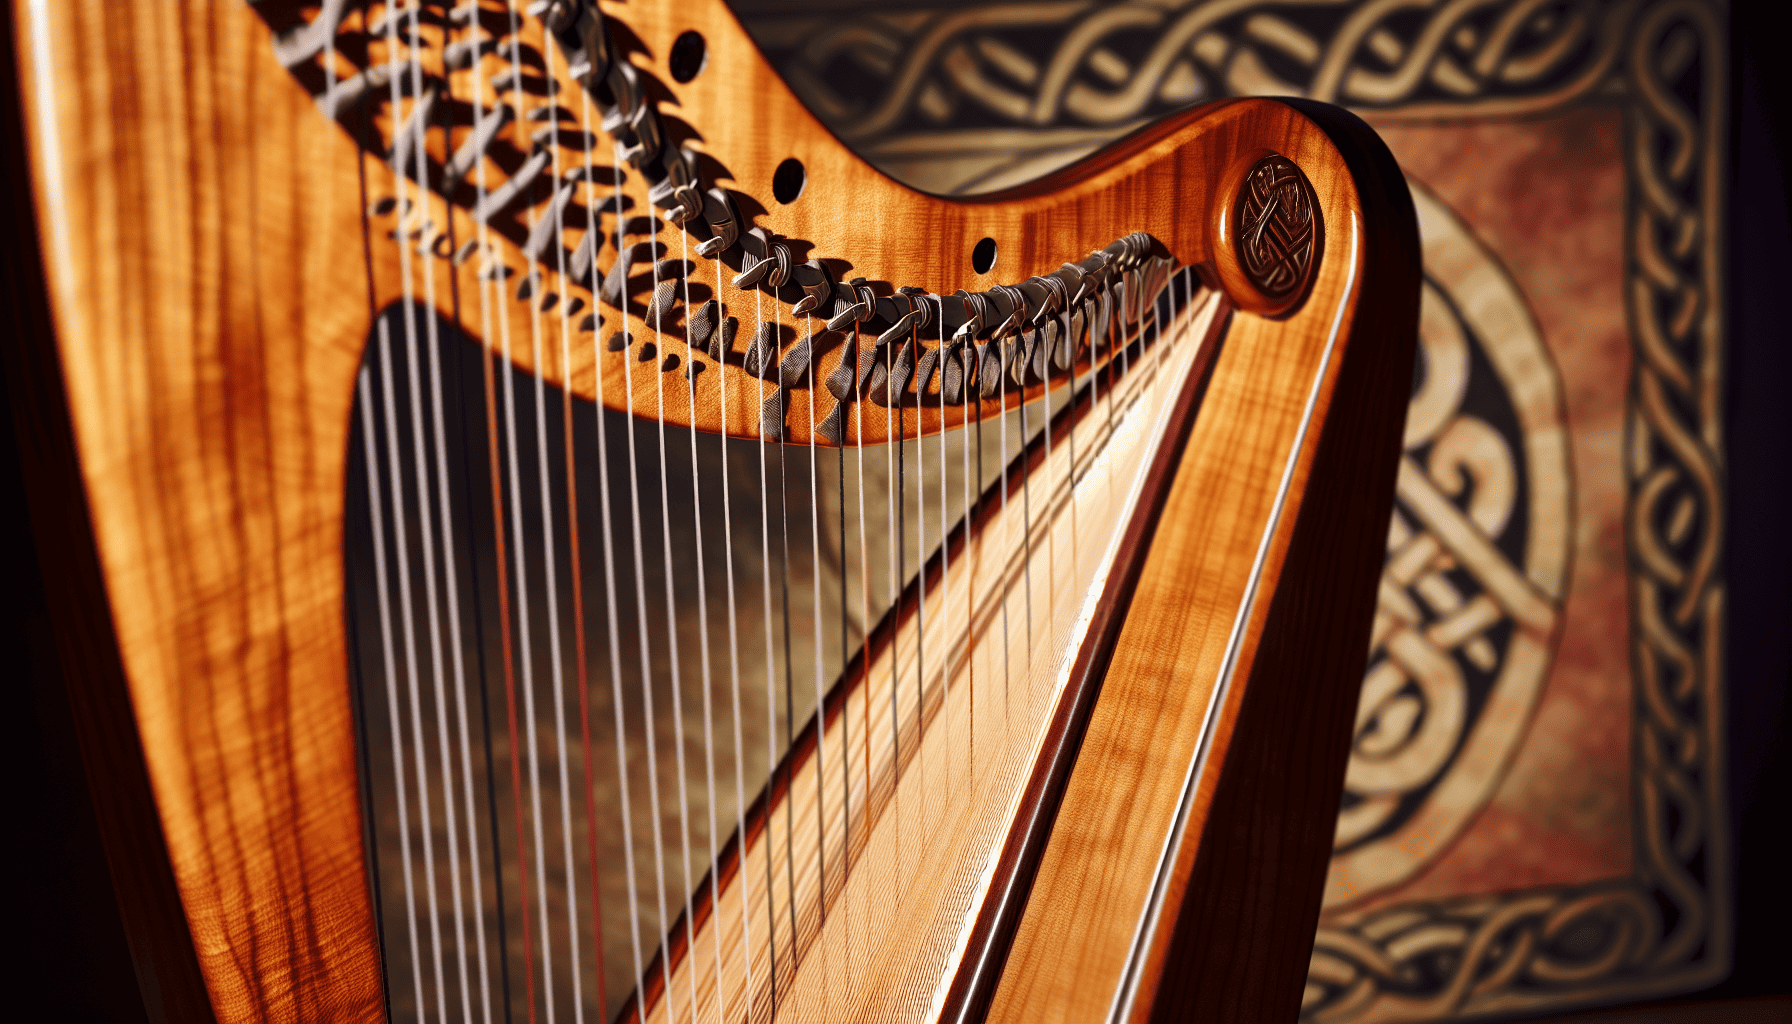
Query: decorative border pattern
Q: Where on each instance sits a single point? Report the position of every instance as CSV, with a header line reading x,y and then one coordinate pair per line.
x,y
959,91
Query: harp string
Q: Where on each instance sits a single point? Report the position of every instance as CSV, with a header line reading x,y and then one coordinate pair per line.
x,y
845,719
440,509
821,718
945,525
575,555
672,645
451,575
384,602
709,760
530,718
771,365
550,570
771,696
920,564
809,890
740,772
505,618
971,551
893,496
644,650
418,745
854,391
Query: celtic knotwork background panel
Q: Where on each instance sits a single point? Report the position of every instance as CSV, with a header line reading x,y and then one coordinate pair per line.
x,y
1533,814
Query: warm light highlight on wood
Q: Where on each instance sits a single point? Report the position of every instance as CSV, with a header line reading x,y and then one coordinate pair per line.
x,y
212,287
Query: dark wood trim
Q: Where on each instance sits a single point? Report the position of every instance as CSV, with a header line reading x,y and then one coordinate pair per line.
x,y
992,935
1103,628
1253,895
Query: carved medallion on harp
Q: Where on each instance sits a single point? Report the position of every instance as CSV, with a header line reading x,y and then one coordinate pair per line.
x,y
1276,227
893,835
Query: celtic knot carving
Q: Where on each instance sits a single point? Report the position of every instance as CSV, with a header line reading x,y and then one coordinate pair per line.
x,y
1275,228
920,87
1479,956
1478,552
980,96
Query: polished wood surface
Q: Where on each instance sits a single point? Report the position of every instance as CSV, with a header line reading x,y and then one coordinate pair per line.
x,y
212,285
1293,664
951,783
87,668
209,317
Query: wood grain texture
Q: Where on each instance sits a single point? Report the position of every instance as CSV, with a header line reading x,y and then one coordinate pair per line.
x,y
1095,881
211,295
989,695
74,592
208,352
1247,891
1167,181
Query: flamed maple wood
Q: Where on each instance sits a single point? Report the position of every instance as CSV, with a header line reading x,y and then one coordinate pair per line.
x,y
202,229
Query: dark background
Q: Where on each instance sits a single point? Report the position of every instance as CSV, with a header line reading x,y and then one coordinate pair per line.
x,y
67,942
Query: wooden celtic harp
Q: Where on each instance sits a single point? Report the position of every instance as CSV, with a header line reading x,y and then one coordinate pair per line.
x,y
373,643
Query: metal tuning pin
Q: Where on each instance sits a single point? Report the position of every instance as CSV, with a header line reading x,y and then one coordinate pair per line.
x,y
854,302
978,315
578,28
756,260
1011,308
909,321
677,192
723,218
768,262
817,285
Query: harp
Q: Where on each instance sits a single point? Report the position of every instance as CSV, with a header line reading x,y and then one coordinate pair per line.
x,y
550,534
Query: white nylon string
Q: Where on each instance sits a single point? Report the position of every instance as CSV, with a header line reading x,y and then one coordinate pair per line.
x,y
1007,539
821,717
563,750
378,523
425,519
664,929
614,635
522,589
865,625
1070,478
404,573
945,530
1051,521
894,545
684,831
771,672
1025,513
454,626
709,737
779,393
1113,385
485,287
929,828
970,639
740,770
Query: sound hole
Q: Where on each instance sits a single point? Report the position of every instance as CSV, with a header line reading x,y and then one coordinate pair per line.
x,y
788,181
983,257
690,55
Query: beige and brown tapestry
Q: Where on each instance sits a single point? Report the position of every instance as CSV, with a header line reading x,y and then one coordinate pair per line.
x,y
1533,815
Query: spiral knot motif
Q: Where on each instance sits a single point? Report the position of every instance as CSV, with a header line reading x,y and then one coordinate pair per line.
x,y
1275,228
